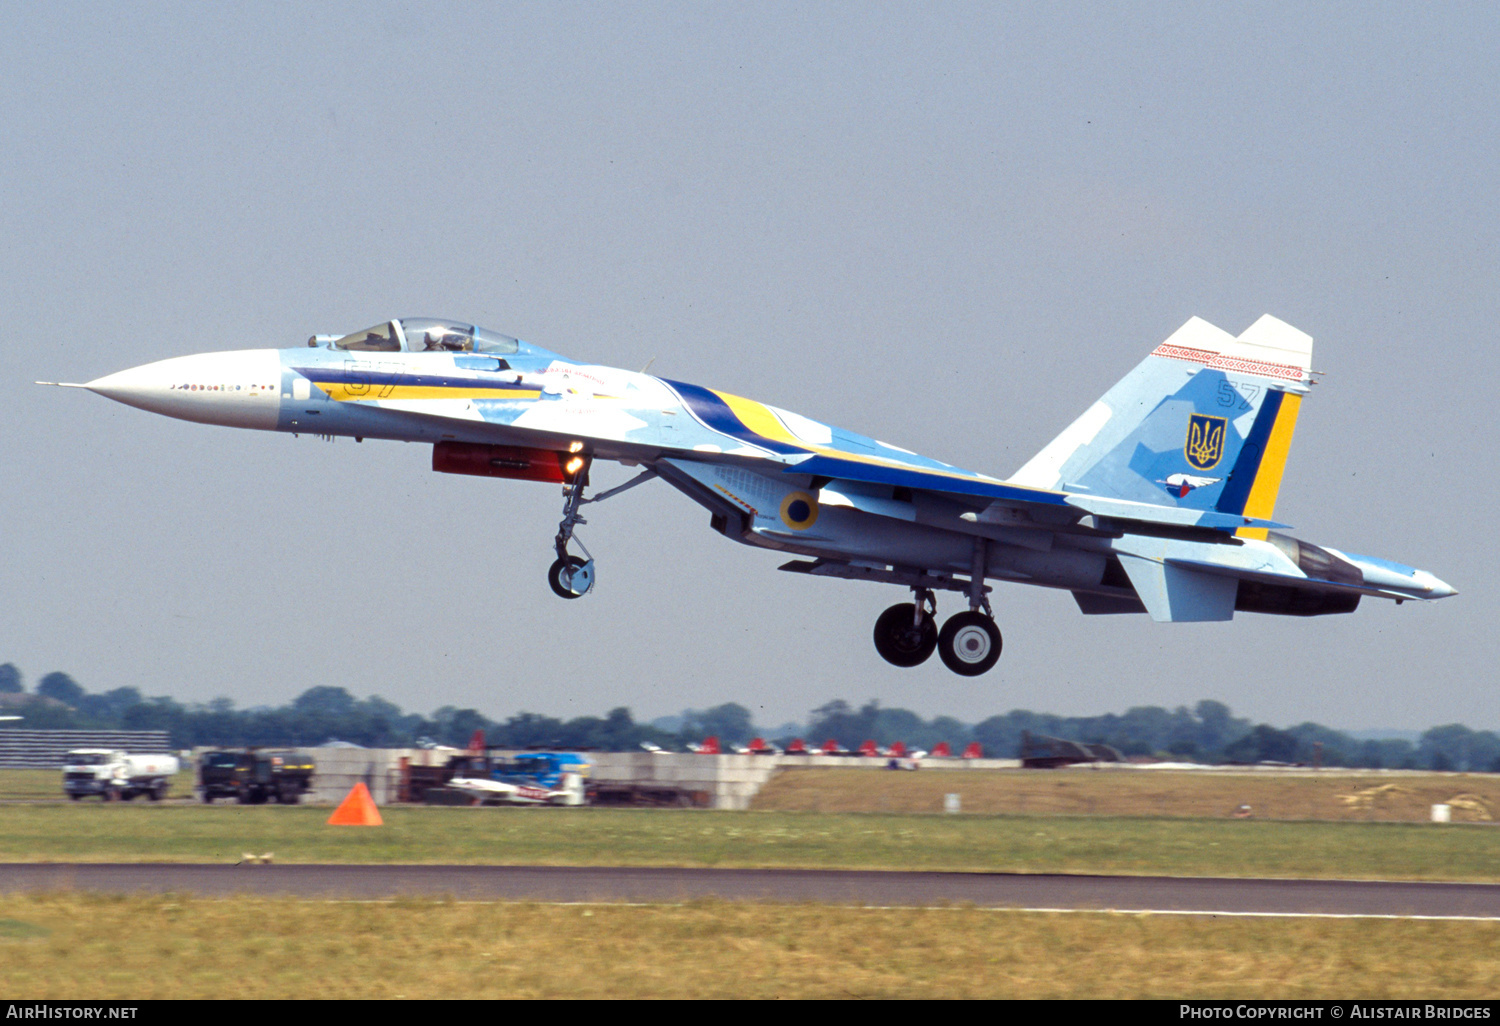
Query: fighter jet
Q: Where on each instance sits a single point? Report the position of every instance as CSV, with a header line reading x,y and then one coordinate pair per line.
x,y
1157,500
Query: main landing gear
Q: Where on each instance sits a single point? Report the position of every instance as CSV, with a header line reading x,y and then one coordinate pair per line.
x,y
572,576
907,634
969,643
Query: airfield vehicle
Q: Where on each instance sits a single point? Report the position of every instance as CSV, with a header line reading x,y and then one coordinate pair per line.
x,y
113,774
254,777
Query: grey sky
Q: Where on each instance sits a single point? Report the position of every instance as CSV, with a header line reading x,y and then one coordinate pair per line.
x,y
950,226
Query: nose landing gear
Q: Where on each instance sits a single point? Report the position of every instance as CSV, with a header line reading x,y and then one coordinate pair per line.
x,y
570,576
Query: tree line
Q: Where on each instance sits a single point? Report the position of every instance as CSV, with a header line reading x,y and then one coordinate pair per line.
x,y
1207,733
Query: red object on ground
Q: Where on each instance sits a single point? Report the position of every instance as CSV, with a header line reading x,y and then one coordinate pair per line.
x,y
942,751
974,751
358,809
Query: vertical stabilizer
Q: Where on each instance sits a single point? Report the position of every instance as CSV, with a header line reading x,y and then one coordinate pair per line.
x,y
1204,422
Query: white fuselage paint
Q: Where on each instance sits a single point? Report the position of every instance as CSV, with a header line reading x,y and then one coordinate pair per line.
x,y
235,389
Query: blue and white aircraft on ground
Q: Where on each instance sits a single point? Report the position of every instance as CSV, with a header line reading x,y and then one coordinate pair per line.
x,y
1157,500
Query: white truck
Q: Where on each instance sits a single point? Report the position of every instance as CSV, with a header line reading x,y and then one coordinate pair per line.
x,y
114,775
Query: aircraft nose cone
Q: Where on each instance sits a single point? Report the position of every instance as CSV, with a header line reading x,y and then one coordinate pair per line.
x,y
237,389
1435,588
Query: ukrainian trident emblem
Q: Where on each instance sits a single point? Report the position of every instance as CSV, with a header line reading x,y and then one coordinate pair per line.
x,y
1205,441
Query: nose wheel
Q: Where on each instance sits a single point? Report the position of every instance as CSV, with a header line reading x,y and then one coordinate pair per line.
x,y
571,576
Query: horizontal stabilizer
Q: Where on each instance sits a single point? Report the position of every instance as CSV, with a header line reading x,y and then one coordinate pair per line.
x,y
1287,581
1175,594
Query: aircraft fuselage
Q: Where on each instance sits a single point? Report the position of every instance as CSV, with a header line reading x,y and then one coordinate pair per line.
x,y
858,507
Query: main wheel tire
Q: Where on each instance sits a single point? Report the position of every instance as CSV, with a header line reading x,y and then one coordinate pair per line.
x,y
970,643
555,572
900,641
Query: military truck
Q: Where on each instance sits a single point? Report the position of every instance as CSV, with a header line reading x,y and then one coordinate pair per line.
x,y
254,776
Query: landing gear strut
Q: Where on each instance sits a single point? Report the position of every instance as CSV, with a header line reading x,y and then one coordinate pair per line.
x,y
570,576
970,642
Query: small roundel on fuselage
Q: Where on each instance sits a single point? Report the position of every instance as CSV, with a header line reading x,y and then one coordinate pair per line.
x,y
799,511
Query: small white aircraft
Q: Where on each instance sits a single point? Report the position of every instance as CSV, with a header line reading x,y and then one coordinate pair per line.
x,y
533,778
1158,499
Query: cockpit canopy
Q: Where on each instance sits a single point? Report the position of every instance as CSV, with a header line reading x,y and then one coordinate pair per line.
x,y
426,335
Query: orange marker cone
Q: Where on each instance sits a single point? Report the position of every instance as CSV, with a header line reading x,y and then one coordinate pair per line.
x,y
358,809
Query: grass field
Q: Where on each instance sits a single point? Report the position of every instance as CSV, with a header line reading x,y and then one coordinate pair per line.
x,y
69,946
95,832
1325,795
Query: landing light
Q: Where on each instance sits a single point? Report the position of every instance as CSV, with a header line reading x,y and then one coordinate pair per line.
x,y
574,465
575,447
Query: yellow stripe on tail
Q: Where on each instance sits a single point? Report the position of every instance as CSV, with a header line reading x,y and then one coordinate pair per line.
x,y
1261,502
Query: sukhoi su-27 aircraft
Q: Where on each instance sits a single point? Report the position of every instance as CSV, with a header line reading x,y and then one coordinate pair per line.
x,y
1157,500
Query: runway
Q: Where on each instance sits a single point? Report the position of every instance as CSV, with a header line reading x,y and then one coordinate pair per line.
x,y
843,887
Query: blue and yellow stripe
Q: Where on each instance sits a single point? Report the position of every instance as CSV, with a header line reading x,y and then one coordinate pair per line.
x,y
1255,481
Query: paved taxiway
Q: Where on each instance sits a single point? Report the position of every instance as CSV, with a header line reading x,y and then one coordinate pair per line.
x,y
583,884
